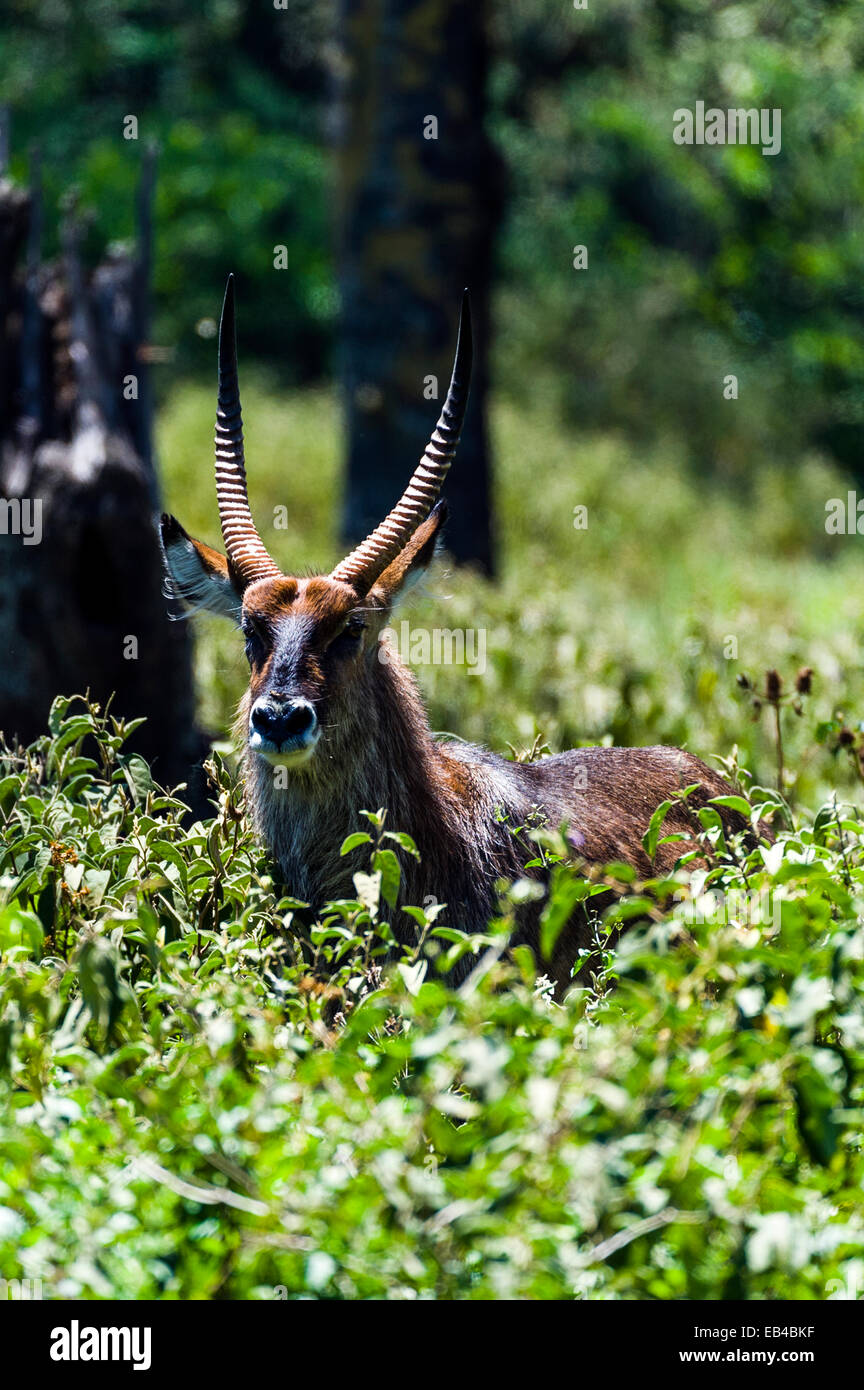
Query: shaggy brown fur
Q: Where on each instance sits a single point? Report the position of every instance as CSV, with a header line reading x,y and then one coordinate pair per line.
x,y
461,804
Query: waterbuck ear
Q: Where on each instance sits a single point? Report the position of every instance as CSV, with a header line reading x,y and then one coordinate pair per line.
x,y
412,561
199,575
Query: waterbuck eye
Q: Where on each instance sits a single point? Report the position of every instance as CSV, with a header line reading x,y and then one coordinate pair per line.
x,y
350,635
254,633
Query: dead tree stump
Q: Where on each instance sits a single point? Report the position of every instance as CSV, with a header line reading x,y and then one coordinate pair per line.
x,y
81,585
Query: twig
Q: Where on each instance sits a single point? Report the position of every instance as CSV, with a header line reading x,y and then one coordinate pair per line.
x,y
642,1228
209,1196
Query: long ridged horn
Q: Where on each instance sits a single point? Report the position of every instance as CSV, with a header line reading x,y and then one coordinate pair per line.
x,y
363,566
244,546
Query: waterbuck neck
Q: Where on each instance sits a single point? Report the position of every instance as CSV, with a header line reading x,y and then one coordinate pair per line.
x,y
377,752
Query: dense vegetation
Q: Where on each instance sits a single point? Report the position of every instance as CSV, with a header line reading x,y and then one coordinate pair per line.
x,y
198,1098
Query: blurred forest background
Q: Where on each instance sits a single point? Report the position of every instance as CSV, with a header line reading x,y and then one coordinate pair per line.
x,y
706,516
702,260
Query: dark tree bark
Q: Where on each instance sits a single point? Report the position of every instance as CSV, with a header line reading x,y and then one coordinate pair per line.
x,y
81,601
416,221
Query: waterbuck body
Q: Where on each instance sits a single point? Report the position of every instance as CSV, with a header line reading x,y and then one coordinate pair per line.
x,y
462,806
333,722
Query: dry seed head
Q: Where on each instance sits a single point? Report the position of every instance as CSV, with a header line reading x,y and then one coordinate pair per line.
x,y
804,680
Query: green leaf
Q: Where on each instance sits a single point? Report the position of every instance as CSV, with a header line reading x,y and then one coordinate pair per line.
x,y
566,892
385,863
57,712
450,933
733,803
164,849
138,775
711,821
418,914
21,928
358,838
404,840
72,730
414,975
97,881
9,789
102,987
649,839
817,1097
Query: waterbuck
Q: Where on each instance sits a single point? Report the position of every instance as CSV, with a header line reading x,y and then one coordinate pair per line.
x,y
331,728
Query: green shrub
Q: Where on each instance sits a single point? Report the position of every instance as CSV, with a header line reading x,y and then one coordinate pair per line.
x,y
200,1097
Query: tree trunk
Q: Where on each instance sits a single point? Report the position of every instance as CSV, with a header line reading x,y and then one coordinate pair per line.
x,y
81,601
416,220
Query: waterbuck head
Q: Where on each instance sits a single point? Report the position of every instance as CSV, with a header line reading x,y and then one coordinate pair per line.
x,y
311,643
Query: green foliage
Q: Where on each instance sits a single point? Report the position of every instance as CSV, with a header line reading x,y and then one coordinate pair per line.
x,y
200,1096
703,260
